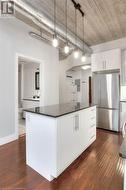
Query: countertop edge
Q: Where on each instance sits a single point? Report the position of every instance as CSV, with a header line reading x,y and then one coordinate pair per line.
x,y
48,115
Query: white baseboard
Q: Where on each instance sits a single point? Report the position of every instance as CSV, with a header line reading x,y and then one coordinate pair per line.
x,y
7,139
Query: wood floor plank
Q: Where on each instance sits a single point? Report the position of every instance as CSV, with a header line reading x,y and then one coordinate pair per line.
x,y
98,168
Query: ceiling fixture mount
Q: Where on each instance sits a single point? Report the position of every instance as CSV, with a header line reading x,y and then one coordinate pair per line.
x,y
78,6
55,39
66,48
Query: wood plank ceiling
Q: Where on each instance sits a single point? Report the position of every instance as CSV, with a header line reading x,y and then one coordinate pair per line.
x,y
105,20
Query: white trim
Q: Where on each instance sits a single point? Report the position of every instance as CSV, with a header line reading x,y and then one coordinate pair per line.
x,y
124,184
17,55
8,139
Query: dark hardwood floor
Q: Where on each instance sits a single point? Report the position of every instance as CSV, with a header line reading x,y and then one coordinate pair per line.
x,y
98,168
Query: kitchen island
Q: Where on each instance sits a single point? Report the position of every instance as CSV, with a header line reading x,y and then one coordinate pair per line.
x,y
56,135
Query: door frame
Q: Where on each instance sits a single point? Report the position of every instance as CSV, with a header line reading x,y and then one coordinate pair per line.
x,y
17,56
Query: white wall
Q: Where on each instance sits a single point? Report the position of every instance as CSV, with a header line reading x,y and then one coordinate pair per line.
x,y
29,70
65,90
14,39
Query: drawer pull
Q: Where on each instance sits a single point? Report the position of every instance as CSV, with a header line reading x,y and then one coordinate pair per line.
x,y
92,118
92,125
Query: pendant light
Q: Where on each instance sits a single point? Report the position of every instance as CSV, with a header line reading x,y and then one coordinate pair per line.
x,y
55,40
76,52
83,58
66,48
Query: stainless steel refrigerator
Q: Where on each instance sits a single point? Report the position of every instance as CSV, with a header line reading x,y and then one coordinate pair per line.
x,y
106,88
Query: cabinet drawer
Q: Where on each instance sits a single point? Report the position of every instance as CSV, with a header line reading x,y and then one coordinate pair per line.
x,y
92,120
92,138
92,112
92,131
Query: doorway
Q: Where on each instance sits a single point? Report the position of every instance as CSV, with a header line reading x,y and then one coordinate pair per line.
x,y
29,87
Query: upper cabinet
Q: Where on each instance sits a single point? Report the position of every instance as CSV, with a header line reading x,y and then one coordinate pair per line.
x,y
108,60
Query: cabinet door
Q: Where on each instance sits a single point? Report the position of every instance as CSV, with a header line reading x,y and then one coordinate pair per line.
x,y
112,59
68,140
85,124
123,68
122,113
97,62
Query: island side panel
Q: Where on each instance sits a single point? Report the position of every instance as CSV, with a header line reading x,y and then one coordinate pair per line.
x,y
41,139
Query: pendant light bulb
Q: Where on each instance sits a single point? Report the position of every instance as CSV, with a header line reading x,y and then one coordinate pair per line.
x,y
55,41
83,58
76,53
66,49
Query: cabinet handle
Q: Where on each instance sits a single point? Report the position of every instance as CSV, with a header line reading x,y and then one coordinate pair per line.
x,y
120,107
105,64
92,126
92,118
76,122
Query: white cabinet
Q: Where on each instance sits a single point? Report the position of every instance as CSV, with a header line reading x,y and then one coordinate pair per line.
x,y
123,68
68,140
108,60
122,113
97,63
75,133
52,144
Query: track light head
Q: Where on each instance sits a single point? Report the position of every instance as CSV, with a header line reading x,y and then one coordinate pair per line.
x,y
83,58
76,53
66,49
55,41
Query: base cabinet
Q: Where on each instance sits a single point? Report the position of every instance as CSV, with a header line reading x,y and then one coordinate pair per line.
x,y
59,141
75,133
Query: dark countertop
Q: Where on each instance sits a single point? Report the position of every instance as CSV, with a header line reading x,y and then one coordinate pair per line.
x,y
122,151
59,109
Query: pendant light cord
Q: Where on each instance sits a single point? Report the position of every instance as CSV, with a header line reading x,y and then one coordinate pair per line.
x,y
54,16
75,26
83,32
66,21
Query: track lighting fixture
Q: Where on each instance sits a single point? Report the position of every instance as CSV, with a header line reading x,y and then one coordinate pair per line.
x,y
55,42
